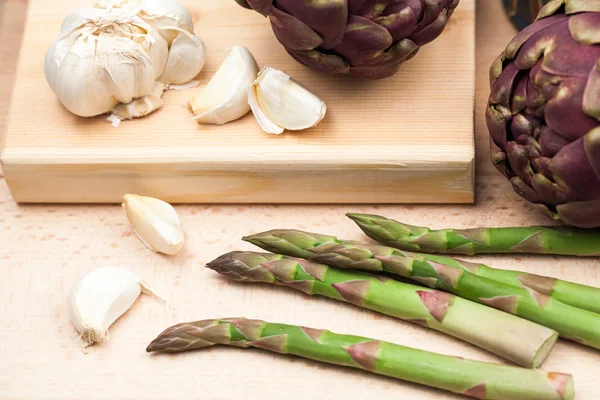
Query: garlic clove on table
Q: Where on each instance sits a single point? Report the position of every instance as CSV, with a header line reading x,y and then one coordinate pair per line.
x,y
225,98
279,103
155,222
100,297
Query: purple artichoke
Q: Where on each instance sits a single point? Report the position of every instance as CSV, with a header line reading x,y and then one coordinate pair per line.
x,y
365,38
544,112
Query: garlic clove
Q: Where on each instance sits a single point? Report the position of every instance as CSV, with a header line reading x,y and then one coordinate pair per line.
x,y
225,98
155,222
187,57
279,103
159,52
131,78
81,93
100,297
265,123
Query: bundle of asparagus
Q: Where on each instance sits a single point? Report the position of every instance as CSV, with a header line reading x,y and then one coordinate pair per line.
x,y
572,323
518,317
470,378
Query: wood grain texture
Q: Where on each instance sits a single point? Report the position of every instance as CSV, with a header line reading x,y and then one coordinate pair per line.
x,y
45,249
405,139
12,23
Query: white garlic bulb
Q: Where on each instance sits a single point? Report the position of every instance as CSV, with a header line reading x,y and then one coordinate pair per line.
x,y
115,52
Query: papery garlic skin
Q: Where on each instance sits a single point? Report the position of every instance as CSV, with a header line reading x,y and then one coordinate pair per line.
x,y
263,120
280,103
155,222
225,98
142,106
166,14
116,51
99,298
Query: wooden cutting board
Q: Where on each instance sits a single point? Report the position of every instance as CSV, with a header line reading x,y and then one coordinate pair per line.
x,y
407,139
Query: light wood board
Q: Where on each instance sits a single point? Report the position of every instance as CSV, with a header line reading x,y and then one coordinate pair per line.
x,y
405,139
45,248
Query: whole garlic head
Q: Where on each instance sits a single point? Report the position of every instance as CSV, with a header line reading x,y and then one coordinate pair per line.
x,y
115,52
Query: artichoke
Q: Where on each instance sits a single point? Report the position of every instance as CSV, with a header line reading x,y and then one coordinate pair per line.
x,y
523,12
364,38
544,112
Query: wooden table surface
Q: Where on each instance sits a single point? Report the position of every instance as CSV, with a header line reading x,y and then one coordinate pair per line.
x,y
45,249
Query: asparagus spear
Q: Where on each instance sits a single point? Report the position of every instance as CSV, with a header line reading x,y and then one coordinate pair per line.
x,y
559,240
541,240
470,378
516,339
571,322
574,294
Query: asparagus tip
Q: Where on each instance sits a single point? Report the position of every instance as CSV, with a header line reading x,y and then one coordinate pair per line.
x,y
151,348
357,217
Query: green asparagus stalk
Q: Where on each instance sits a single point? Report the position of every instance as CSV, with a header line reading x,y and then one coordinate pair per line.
x,y
409,238
467,377
574,294
516,339
540,240
571,322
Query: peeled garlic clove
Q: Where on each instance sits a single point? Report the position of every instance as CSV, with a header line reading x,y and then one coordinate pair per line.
x,y
155,222
100,297
186,59
225,98
279,103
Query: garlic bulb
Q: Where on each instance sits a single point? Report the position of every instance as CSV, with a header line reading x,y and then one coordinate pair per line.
x,y
115,52
155,222
279,103
100,297
225,98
